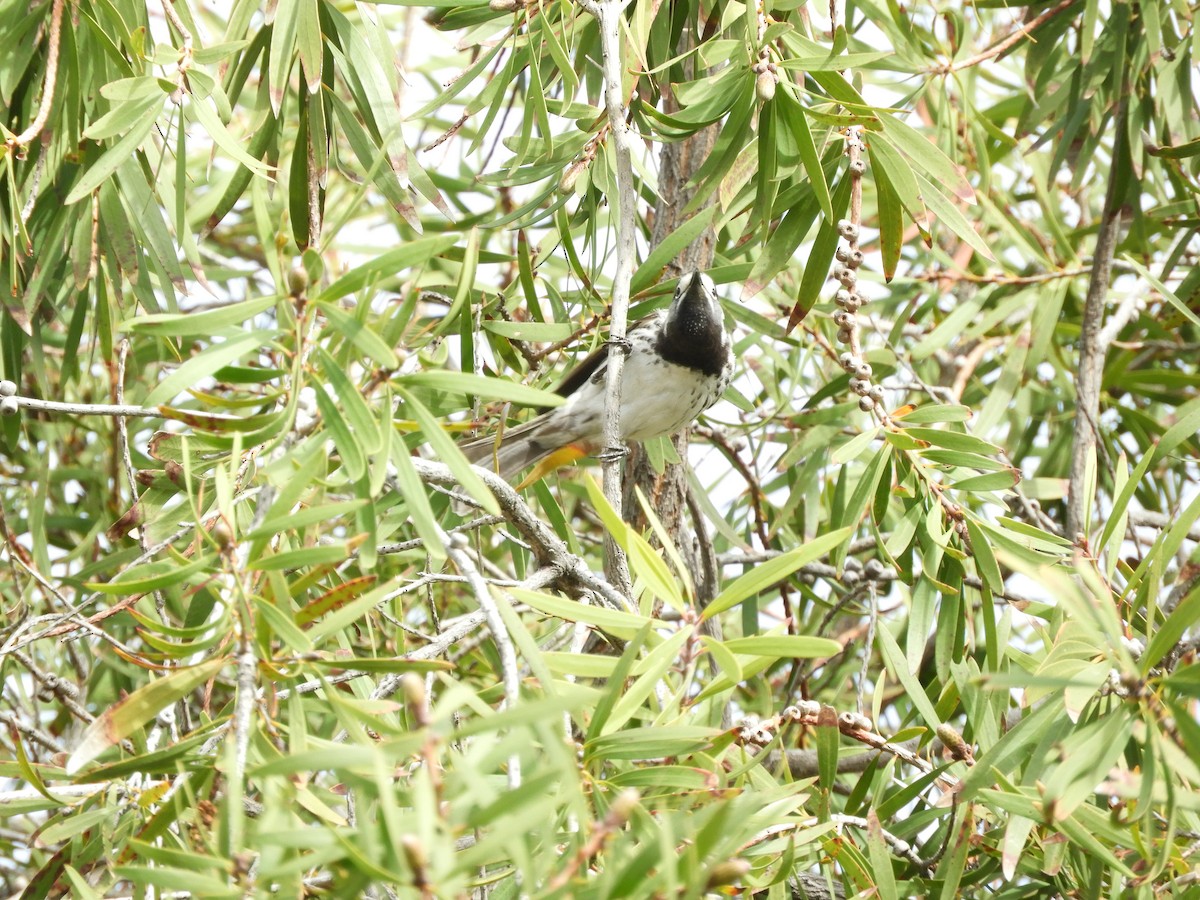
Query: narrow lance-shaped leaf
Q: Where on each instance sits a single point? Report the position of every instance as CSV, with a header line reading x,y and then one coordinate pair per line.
x,y
117,722
774,570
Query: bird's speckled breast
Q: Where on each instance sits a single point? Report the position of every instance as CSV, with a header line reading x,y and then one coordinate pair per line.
x,y
661,397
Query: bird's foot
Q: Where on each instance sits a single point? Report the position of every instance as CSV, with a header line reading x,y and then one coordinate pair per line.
x,y
609,454
621,344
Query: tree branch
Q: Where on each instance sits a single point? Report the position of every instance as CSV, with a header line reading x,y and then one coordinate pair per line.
x,y
495,622
43,113
549,549
608,16
1092,345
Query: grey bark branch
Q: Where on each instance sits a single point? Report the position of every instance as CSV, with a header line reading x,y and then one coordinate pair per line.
x,y
549,549
1092,343
504,645
608,16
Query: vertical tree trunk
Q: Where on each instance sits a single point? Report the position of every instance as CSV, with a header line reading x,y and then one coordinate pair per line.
x,y
667,492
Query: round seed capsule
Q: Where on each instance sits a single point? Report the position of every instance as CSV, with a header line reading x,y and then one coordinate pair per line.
x,y
764,85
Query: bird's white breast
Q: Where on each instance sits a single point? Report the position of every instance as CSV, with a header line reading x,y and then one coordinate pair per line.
x,y
657,397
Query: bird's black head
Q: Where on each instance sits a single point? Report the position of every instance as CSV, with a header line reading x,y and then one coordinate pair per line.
x,y
695,307
693,333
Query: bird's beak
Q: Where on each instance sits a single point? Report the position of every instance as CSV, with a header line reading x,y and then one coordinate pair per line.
x,y
696,288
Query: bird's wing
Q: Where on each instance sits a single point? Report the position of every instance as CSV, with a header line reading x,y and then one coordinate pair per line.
x,y
594,362
590,365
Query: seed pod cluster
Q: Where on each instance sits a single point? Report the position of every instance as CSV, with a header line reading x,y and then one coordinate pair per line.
x,y
847,299
765,77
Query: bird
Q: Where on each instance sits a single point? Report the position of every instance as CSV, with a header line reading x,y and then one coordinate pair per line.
x,y
679,364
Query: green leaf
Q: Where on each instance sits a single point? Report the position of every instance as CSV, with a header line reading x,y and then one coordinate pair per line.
x,y
207,323
125,717
649,272
725,659
152,576
891,223
352,453
816,265
389,264
948,213
1168,634
656,742
360,334
308,42
954,440
358,414
481,386
114,157
298,520
234,146
992,481
415,495
774,570
927,155
635,693
797,118
303,559
446,451
985,559
204,364
784,646
538,332
897,664
621,624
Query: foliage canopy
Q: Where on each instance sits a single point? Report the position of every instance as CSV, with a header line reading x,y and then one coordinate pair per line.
x,y
271,261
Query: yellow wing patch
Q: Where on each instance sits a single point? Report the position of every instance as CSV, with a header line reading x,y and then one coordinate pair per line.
x,y
561,457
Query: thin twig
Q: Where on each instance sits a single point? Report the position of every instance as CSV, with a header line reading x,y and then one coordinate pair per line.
x,y
89,409
43,113
608,16
1024,31
510,674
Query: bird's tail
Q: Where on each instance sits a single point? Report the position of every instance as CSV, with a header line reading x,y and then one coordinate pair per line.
x,y
517,448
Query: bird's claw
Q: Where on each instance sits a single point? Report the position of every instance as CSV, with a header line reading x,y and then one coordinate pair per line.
x,y
608,454
622,344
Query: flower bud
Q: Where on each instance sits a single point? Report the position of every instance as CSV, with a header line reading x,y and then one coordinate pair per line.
x,y
297,281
